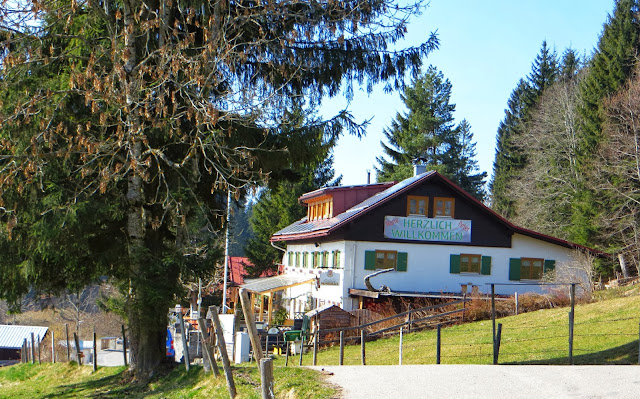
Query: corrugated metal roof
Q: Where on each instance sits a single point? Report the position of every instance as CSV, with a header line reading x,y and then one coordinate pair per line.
x,y
302,227
268,284
14,336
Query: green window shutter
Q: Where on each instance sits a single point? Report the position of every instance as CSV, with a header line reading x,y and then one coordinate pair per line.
x,y
402,262
369,260
486,265
454,263
549,265
514,268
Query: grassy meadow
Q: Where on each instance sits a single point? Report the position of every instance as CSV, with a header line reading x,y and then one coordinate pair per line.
x,y
606,332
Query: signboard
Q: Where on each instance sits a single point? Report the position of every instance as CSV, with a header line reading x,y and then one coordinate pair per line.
x,y
329,277
426,229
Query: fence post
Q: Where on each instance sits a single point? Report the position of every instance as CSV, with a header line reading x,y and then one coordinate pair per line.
x,y
25,352
95,350
250,320
409,319
341,360
363,353
266,345
206,348
266,378
400,349
53,347
124,346
516,299
464,305
185,348
33,349
286,362
66,328
498,339
39,349
315,348
438,343
301,349
222,347
76,340
493,320
571,321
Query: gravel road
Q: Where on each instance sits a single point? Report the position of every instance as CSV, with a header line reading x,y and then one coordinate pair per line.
x,y
485,381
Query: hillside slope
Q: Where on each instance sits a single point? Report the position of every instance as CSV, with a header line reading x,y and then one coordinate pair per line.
x,y
605,332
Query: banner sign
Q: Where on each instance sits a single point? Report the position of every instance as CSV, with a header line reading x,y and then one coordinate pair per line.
x,y
426,229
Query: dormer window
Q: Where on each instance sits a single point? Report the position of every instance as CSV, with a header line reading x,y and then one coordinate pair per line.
x,y
417,205
322,209
443,207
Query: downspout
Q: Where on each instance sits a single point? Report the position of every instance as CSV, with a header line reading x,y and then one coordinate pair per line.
x,y
353,270
277,247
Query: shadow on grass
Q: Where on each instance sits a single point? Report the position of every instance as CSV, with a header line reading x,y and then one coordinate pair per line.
x,y
166,380
623,354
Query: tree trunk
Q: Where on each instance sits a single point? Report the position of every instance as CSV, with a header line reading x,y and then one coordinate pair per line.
x,y
146,315
623,266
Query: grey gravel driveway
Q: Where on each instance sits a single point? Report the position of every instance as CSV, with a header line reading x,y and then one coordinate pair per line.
x,y
485,381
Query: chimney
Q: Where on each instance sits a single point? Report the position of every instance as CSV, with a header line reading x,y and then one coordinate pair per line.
x,y
419,169
368,177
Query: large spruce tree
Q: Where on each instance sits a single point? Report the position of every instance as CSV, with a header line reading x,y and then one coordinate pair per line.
x,y
511,157
427,133
508,158
610,67
124,124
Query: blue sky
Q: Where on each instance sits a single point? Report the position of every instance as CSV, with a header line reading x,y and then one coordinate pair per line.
x,y
485,48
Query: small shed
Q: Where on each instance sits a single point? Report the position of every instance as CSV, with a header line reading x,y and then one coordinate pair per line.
x,y
12,337
327,317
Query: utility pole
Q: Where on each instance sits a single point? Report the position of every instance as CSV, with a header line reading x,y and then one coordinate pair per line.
x,y
223,306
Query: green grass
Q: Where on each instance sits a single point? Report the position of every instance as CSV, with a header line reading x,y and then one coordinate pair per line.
x,y
65,380
606,332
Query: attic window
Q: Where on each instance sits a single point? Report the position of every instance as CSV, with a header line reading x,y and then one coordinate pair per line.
x,y
417,205
320,210
443,207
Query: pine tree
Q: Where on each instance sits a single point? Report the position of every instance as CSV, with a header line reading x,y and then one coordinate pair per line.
x,y
610,67
464,166
427,132
136,118
240,229
277,208
507,157
511,157
570,65
544,72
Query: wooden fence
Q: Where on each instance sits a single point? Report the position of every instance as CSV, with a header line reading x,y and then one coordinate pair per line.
x,y
411,319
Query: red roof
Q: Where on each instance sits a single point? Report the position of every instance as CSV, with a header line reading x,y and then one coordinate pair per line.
x,y
238,270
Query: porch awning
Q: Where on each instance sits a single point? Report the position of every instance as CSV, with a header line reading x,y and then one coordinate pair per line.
x,y
267,285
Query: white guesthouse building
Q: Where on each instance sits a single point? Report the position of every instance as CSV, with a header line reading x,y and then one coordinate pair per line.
x,y
436,237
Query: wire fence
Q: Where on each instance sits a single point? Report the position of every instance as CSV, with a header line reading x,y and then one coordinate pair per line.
x,y
594,341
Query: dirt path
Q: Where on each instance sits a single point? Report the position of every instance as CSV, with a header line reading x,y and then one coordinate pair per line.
x,y
485,381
